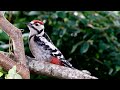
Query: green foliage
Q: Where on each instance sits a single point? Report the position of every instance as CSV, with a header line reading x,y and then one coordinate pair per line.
x,y
89,38
12,74
84,47
2,73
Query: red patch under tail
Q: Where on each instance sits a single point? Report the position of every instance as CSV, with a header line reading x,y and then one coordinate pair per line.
x,y
55,60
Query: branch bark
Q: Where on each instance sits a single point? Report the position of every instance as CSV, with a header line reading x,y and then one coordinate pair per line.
x,y
8,63
57,71
16,37
42,68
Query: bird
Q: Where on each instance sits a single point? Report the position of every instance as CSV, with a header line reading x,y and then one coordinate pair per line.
x,y
42,47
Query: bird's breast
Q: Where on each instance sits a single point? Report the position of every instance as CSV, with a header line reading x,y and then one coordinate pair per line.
x,y
38,51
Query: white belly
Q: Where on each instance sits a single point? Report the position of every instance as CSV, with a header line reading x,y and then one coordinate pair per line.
x,y
38,51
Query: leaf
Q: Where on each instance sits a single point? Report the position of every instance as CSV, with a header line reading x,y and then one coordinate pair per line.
x,y
17,76
84,48
103,45
12,74
31,13
61,14
97,55
3,36
110,71
117,68
0,68
12,70
1,74
71,23
75,46
58,42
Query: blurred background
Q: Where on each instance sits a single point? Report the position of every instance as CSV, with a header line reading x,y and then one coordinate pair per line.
x,y
90,39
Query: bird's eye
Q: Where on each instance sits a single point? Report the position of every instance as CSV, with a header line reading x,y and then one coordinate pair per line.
x,y
36,24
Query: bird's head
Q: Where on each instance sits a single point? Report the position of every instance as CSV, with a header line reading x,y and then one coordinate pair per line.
x,y
36,27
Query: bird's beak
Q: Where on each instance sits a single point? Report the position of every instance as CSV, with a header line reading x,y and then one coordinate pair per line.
x,y
29,24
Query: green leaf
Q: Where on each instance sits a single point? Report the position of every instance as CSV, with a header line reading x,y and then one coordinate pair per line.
x,y
2,71
97,55
3,36
0,68
84,48
110,71
75,46
103,45
31,13
58,42
12,74
1,74
61,14
17,76
117,68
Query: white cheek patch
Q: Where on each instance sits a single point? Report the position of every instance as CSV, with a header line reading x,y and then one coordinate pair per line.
x,y
42,26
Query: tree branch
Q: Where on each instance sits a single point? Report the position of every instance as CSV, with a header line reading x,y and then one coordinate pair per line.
x,y
8,63
57,71
16,36
48,69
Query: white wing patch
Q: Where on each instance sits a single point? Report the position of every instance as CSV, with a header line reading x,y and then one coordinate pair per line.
x,y
51,45
47,43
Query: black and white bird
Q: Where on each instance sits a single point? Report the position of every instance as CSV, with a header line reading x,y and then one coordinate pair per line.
x,y
42,47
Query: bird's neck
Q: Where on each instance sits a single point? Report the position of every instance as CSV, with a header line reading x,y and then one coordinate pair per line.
x,y
37,33
41,33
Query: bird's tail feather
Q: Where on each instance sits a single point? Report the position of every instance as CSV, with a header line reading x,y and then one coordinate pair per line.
x,y
67,64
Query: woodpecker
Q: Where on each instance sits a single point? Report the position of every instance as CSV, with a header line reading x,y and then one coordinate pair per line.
x,y
42,47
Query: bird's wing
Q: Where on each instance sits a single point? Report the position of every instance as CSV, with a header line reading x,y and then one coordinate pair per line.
x,y
47,45
47,37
